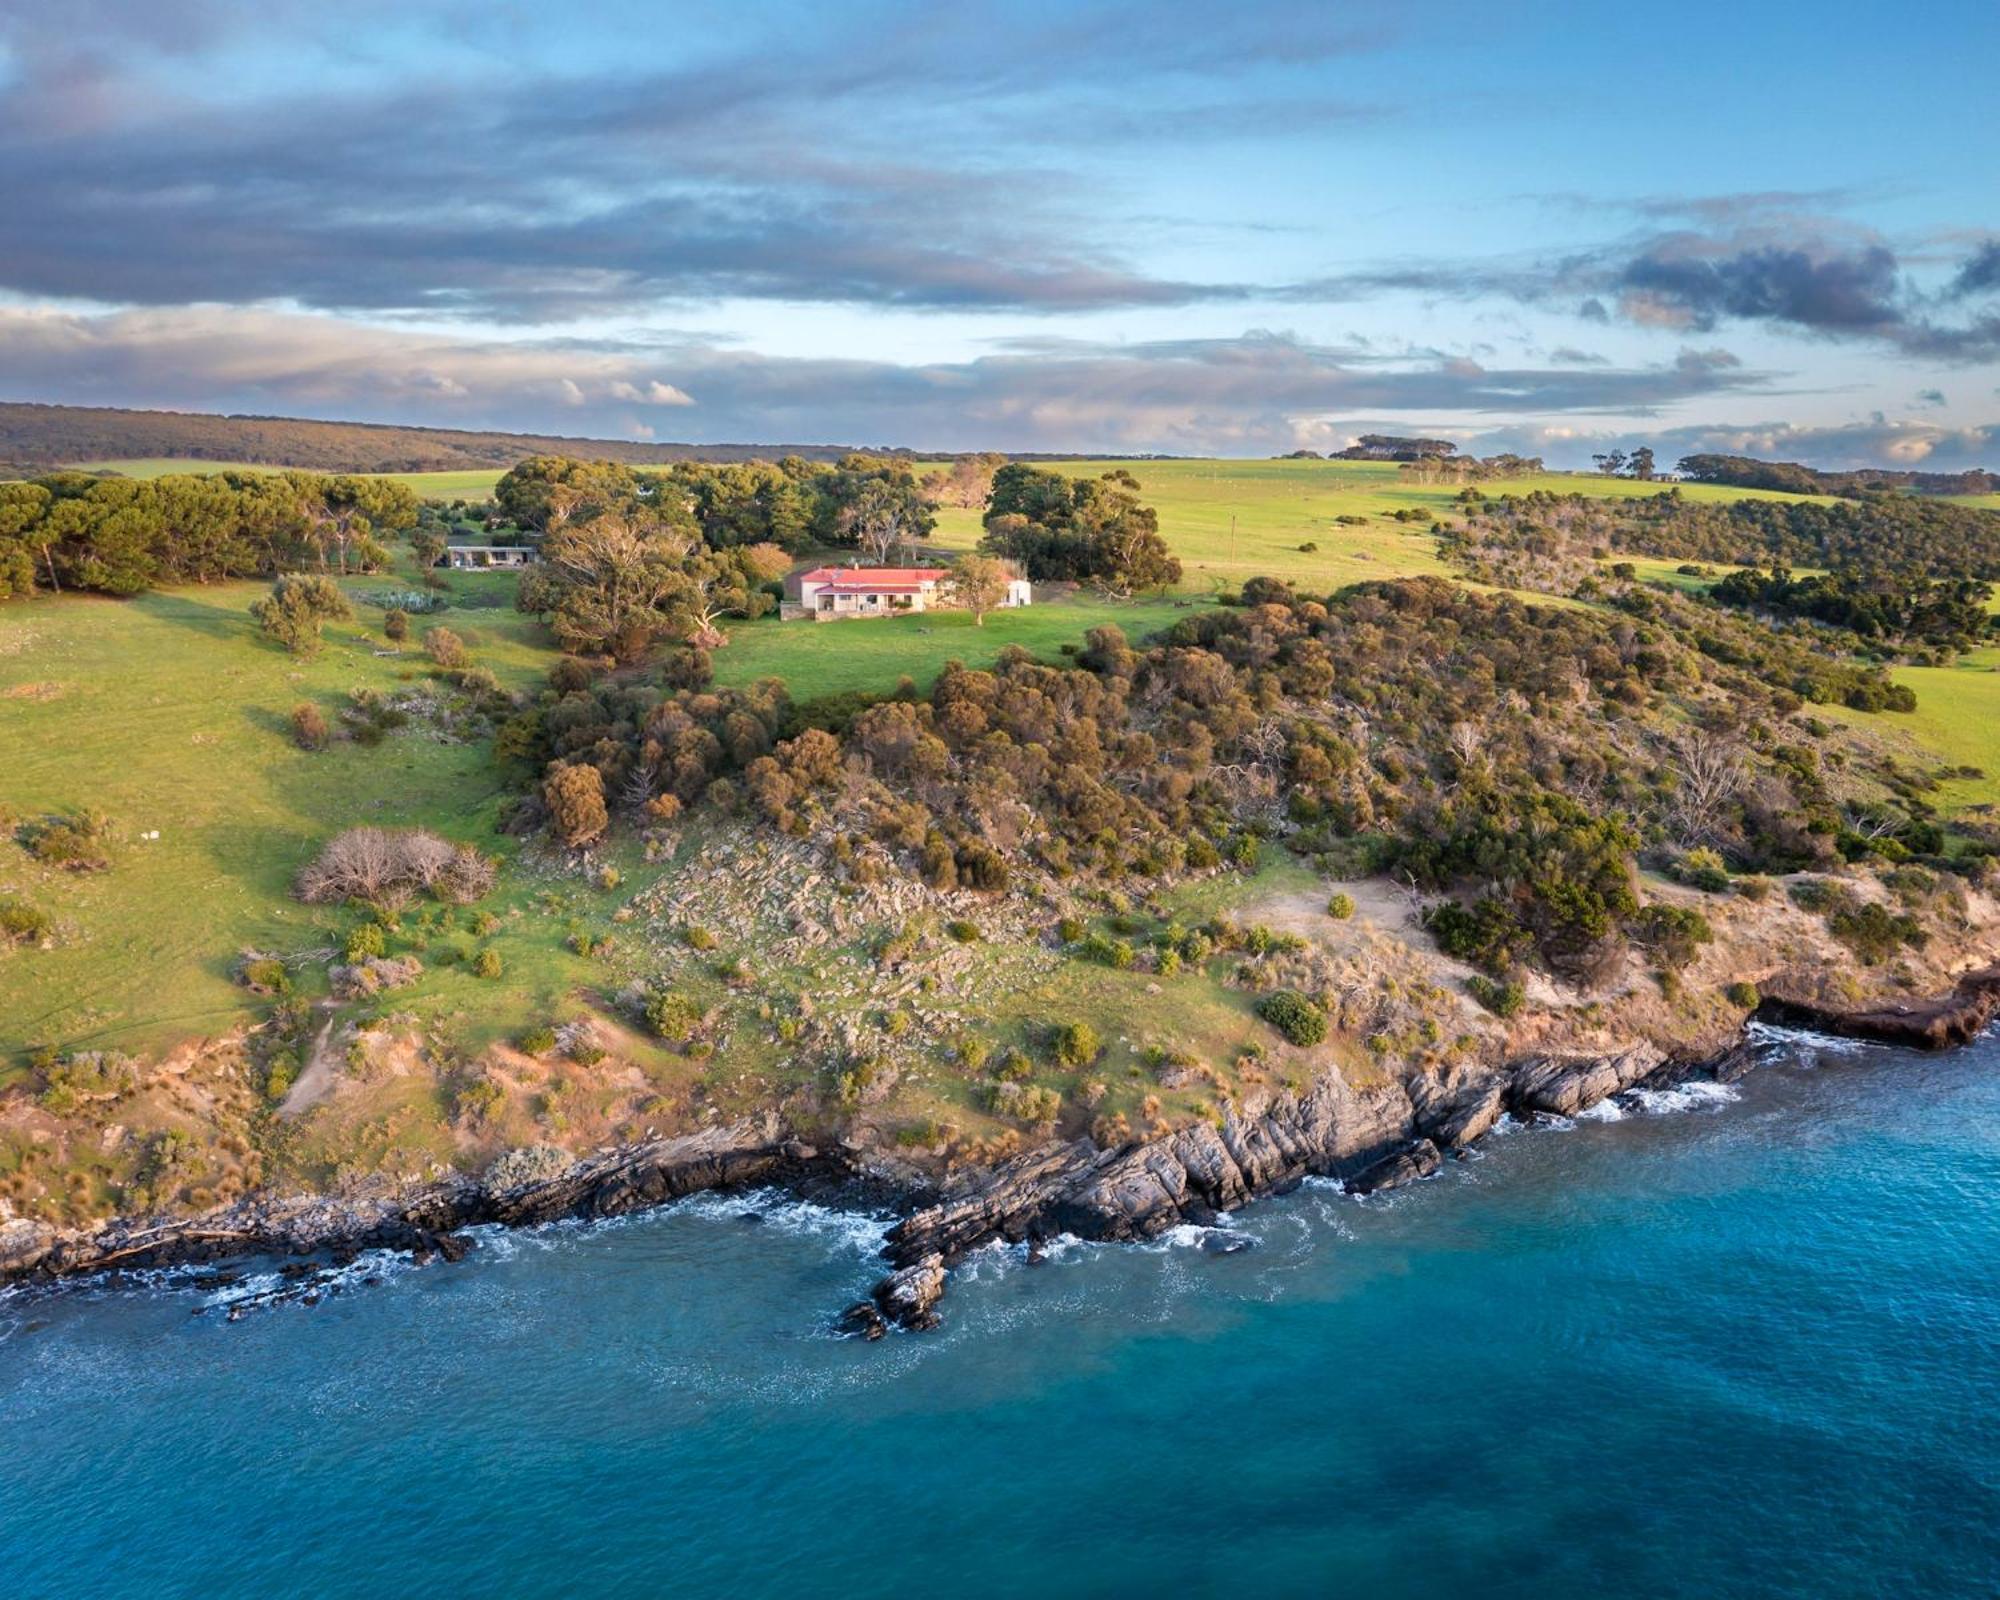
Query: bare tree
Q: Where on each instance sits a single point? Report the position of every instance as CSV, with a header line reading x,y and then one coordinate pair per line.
x,y
1709,774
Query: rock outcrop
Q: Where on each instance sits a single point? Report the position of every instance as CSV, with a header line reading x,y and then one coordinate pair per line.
x,y
1954,1019
1564,1085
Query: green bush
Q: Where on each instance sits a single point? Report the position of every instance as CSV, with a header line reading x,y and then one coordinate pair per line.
x,y
1704,870
1070,929
266,975
672,1015
1077,1044
1502,999
1107,951
1294,1016
963,931
1014,1066
1743,995
368,940
1873,932
487,963
21,923
1340,907
1673,934
536,1041
698,938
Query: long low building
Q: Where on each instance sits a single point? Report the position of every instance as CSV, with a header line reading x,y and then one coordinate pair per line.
x,y
828,593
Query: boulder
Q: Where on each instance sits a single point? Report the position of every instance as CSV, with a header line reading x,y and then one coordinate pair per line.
x,y
1418,1159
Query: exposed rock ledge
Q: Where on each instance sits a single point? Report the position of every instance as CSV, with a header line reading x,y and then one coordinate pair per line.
x,y
1369,1137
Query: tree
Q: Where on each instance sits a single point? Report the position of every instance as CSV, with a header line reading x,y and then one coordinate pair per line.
x,y
296,609
574,795
615,583
1611,463
885,516
978,583
544,493
1641,464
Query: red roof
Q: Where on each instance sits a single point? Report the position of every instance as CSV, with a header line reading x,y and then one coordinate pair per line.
x,y
871,588
879,576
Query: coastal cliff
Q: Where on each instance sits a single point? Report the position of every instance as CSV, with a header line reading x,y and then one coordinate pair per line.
x,y
1369,1137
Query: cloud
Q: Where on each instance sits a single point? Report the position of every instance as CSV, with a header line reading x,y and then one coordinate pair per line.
x,y
826,160
1874,441
1931,397
655,393
1251,393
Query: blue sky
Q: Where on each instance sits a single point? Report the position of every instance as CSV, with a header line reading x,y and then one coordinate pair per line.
x,y
1086,227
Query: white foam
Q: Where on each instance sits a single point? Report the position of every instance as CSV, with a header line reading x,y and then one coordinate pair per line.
x,y
1607,1110
1803,1042
1697,1094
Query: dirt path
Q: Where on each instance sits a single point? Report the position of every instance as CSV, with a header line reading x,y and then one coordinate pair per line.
x,y
315,1080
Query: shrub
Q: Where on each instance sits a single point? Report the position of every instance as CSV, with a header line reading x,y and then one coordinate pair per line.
x,y
1077,1044
297,608
1502,999
446,648
1294,1016
961,930
1815,894
1014,1066
536,1041
364,941
309,729
1340,907
487,963
382,864
672,1015
396,625
266,975
1107,951
1038,1104
1070,929
574,795
1873,932
1704,870
1743,994
21,923
1672,933
699,938
77,842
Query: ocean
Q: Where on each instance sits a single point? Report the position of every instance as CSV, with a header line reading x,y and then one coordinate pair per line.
x,y
1721,1343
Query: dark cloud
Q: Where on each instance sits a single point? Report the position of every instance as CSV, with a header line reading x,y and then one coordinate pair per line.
x,y
1979,275
1684,283
1261,391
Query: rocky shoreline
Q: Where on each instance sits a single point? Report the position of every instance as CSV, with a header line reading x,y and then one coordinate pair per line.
x,y
1370,1138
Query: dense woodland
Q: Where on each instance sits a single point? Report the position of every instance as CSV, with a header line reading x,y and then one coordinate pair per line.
x,y
1509,760
1746,472
70,531
36,437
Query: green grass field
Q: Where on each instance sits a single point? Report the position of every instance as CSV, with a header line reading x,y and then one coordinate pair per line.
x,y
872,653
170,712
1232,520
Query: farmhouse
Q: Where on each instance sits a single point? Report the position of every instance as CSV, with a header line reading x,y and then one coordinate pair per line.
x,y
827,593
477,557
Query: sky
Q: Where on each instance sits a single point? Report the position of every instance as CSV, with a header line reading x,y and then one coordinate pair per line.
x,y
1098,226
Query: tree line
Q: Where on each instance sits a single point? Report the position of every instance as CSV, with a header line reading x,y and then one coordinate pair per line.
x,y
1747,472
70,531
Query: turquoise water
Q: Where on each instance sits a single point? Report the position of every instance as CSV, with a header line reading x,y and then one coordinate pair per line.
x,y
1751,1348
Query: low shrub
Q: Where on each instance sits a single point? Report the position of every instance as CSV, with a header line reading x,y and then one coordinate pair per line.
x,y
487,963
387,865
1703,870
1340,907
1107,951
1743,994
1070,929
672,1015
309,730
1503,999
79,842
366,940
21,923
1293,1015
1874,932
446,648
536,1041
1077,1044
266,975
963,931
